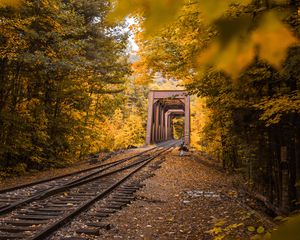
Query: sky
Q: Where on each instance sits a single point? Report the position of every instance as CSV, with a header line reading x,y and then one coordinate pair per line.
x,y
132,44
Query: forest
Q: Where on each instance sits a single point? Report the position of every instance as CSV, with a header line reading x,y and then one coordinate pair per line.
x,y
64,80
71,84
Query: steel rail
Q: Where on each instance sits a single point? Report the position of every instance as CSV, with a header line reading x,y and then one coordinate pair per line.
x,y
68,217
6,190
85,179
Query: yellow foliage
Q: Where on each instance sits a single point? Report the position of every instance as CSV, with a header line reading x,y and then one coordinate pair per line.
x,y
199,118
273,39
10,3
215,230
207,56
236,57
213,9
156,12
289,230
232,52
118,132
232,59
233,55
275,108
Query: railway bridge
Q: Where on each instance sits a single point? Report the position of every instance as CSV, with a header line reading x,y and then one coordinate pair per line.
x,y
163,107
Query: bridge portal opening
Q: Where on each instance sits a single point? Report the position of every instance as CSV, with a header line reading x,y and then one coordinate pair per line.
x,y
168,116
178,127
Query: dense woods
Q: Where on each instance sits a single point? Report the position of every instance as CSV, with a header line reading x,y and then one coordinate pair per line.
x,y
63,71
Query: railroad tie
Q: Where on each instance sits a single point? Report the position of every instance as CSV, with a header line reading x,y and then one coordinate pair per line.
x,y
48,209
121,200
124,196
25,223
105,226
89,231
106,210
70,199
79,197
42,213
5,201
13,229
74,238
100,215
64,201
117,206
13,236
132,189
33,217
118,203
134,185
83,193
8,198
124,191
56,205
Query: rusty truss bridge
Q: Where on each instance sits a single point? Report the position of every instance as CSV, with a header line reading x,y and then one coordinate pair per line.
x,y
163,107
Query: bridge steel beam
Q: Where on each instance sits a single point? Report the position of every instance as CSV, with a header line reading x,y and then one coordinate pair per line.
x,y
187,121
149,134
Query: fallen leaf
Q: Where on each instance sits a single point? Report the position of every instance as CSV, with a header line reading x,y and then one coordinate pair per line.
x,y
260,229
251,229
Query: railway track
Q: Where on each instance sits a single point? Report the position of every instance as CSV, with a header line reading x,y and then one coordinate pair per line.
x,y
53,205
11,198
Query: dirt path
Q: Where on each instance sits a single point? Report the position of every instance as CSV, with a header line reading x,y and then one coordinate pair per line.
x,y
186,200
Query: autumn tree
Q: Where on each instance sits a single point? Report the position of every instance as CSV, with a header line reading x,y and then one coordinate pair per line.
x,y
63,67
